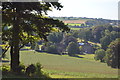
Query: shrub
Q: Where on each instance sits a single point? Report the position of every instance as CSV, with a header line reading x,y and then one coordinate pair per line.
x,y
21,68
73,49
30,70
35,70
5,68
38,69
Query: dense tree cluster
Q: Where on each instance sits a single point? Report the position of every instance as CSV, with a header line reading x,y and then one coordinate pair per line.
x,y
107,36
113,54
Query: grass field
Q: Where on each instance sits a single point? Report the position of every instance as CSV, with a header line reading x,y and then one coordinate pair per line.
x,y
75,28
58,66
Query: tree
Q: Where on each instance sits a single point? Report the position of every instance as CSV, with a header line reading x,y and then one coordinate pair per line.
x,y
97,33
27,18
52,49
67,39
113,54
73,49
55,37
86,34
110,28
99,55
105,41
108,37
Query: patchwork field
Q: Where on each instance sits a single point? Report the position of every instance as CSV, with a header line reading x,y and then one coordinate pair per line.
x,y
75,21
58,66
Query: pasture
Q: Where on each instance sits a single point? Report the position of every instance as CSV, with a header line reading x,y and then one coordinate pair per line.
x,y
58,66
75,28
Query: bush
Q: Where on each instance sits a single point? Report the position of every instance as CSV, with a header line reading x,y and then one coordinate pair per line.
x,y
35,70
5,69
30,70
38,69
73,49
99,55
21,69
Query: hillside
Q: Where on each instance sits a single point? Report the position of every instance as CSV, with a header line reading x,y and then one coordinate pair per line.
x,y
75,22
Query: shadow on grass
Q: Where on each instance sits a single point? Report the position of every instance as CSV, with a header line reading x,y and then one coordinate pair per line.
x,y
47,52
24,49
76,56
39,51
5,61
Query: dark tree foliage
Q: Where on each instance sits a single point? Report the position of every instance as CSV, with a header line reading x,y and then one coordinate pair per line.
x,y
86,34
113,54
52,49
105,41
67,39
27,17
108,38
55,37
73,49
110,28
97,32
99,55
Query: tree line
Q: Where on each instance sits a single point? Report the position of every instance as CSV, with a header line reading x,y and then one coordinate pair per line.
x,y
109,38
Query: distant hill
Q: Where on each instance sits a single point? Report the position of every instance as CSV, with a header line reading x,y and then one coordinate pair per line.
x,y
88,22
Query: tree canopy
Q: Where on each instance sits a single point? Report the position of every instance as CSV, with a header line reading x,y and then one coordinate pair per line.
x,y
113,54
26,21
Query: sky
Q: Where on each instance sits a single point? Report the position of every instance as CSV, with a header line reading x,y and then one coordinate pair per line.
x,y
106,9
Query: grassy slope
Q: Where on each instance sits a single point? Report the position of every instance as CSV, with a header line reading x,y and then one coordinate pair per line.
x,y
64,66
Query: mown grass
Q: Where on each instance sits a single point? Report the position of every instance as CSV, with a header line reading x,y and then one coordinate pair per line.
x,y
75,28
88,56
70,67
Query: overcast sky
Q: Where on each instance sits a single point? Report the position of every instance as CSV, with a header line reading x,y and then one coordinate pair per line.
x,y
106,9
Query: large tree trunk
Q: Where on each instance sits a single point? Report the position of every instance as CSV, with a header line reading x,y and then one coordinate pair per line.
x,y
15,48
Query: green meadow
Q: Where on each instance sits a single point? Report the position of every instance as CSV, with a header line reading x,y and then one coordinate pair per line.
x,y
75,28
63,66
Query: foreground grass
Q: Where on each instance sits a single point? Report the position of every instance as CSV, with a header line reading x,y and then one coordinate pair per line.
x,y
62,74
69,67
